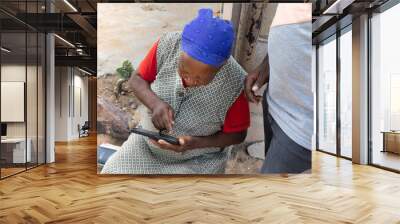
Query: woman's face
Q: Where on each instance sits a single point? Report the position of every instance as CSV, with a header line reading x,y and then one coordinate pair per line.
x,y
195,73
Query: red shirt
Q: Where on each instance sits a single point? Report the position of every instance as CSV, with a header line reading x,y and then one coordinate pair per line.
x,y
237,118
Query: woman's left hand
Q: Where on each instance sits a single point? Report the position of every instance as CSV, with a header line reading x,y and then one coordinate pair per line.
x,y
186,143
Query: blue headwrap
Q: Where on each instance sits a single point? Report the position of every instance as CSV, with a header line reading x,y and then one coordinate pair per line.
x,y
208,39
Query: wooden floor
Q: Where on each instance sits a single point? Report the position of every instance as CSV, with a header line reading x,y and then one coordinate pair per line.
x,y
5,172
70,191
10,171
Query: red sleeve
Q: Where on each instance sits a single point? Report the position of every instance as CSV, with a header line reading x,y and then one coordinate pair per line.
x,y
148,67
238,116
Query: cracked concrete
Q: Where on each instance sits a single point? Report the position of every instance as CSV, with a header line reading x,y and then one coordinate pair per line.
x,y
127,31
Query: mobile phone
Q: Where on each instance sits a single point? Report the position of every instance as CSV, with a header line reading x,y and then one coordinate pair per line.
x,y
156,135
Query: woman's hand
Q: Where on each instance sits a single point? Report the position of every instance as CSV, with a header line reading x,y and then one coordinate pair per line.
x,y
219,139
162,116
255,80
185,143
162,113
251,85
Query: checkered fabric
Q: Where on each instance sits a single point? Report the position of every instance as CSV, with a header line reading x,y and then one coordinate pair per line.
x,y
199,111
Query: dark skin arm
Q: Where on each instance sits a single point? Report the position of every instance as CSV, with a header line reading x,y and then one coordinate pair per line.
x,y
162,113
219,139
162,117
256,79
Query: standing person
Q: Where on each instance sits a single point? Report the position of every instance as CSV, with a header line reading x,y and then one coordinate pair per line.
x,y
288,100
193,87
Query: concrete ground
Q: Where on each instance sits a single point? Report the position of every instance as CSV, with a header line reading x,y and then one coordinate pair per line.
x,y
126,31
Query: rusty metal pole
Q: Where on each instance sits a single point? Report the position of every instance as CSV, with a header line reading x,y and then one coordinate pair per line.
x,y
252,21
248,29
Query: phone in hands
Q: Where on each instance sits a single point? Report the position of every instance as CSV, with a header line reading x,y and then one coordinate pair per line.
x,y
156,135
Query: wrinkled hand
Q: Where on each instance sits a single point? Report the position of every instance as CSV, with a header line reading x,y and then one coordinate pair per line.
x,y
162,116
186,143
253,83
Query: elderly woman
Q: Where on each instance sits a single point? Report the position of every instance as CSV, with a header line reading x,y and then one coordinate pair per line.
x,y
194,89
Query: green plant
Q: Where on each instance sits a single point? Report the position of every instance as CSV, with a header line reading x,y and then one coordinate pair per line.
x,y
126,70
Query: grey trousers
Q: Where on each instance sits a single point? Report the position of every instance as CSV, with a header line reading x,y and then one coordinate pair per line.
x,y
282,154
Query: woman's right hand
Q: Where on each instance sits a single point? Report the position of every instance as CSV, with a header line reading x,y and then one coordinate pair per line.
x,y
162,116
255,80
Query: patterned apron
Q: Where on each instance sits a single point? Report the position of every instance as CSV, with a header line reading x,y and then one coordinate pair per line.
x,y
199,111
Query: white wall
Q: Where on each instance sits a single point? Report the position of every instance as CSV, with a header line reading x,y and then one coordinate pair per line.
x,y
61,103
227,11
13,73
79,117
16,73
33,126
69,85
12,101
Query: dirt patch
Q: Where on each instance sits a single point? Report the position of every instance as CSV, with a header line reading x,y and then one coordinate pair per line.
x,y
242,163
116,113
151,7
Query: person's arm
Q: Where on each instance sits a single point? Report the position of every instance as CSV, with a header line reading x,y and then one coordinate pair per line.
x,y
256,79
220,139
234,130
139,82
162,113
141,89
